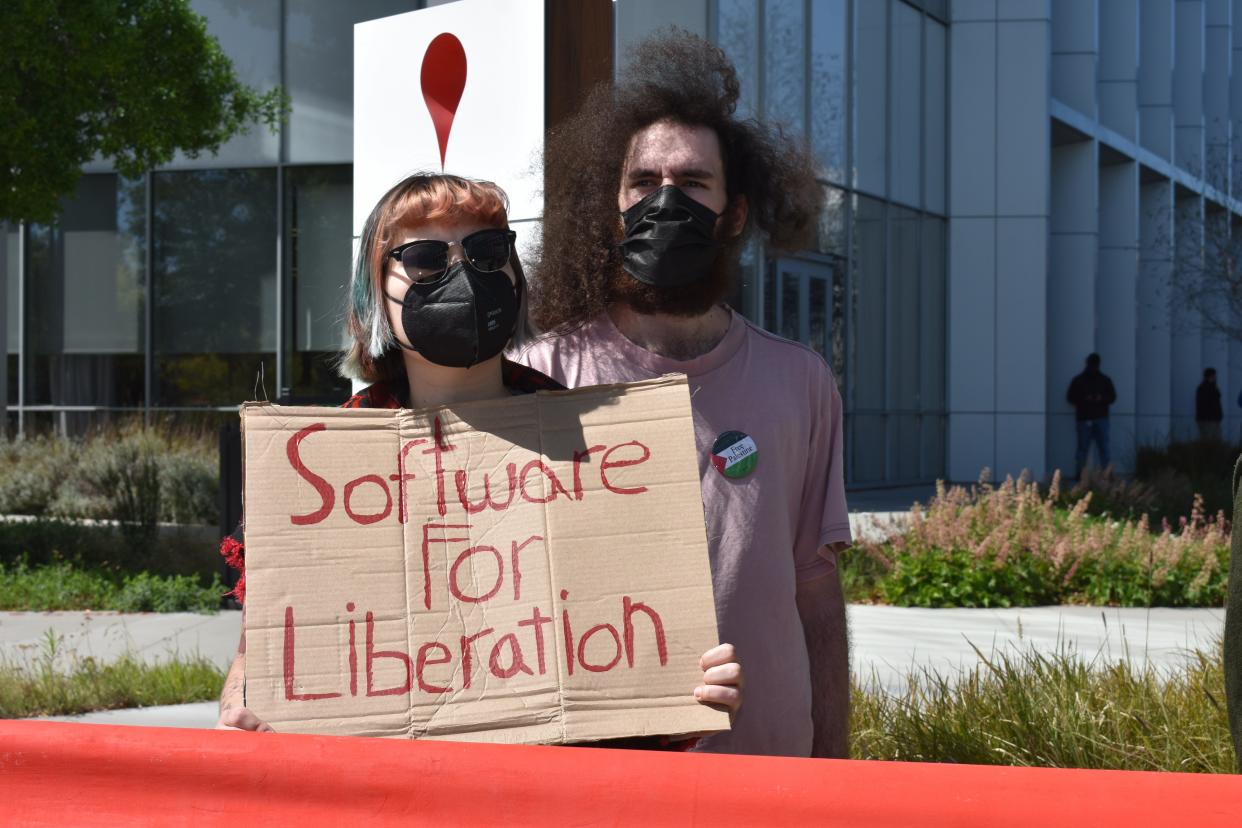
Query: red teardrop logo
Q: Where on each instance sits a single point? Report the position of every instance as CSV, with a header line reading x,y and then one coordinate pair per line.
x,y
443,80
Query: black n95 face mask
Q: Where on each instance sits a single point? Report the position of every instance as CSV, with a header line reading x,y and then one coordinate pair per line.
x,y
461,319
670,239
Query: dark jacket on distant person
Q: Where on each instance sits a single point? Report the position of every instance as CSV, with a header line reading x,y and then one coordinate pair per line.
x,y
1233,620
1091,393
1207,403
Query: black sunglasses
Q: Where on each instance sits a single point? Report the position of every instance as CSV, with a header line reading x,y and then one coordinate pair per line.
x,y
486,250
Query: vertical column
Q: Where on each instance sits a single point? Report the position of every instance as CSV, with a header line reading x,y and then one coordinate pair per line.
x,y
1153,347
1218,54
1188,56
1235,101
1214,309
1155,88
972,240
1073,250
1075,52
1119,61
1117,299
1023,44
1233,379
1187,339
999,59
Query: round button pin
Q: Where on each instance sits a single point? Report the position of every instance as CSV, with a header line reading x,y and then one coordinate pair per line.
x,y
734,454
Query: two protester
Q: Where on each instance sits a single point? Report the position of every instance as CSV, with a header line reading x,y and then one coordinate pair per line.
x,y
436,297
652,191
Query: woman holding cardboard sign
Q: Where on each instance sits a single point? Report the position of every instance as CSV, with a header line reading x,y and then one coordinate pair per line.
x,y
437,295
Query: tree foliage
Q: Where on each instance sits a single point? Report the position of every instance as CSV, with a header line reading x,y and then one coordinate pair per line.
x,y
133,81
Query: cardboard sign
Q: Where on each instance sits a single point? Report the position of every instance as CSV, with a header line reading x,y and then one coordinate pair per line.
x,y
532,569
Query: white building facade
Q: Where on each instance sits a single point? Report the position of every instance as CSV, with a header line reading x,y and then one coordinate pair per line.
x,y
1009,185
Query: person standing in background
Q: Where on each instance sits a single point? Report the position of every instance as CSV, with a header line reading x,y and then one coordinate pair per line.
x,y
1091,393
1208,411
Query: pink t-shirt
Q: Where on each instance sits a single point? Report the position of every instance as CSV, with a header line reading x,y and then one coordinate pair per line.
x,y
766,530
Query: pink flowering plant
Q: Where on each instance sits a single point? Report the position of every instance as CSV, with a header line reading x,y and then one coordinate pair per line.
x,y
1013,544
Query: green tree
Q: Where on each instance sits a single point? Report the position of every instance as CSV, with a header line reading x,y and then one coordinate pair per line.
x,y
133,81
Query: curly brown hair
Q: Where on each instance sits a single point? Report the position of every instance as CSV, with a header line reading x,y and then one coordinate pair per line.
x,y
680,77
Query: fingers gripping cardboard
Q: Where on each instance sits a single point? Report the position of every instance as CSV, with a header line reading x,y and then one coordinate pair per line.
x,y
532,569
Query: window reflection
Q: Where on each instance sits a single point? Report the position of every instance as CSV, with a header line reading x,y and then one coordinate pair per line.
x,y
828,29
318,205
785,64
84,299
870,95
214,259
906,63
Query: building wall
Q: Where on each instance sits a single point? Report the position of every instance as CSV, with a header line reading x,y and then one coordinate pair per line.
x,y
1009,185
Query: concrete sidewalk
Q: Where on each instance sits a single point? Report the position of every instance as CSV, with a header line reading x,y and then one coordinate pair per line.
x,y
888,643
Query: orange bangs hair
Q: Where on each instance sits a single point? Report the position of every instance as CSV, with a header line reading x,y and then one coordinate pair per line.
x,y
422,199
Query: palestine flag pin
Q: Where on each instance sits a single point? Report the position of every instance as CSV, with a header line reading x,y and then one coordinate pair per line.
x,y
734,454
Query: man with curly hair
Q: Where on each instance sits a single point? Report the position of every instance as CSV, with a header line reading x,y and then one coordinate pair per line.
x,y
651,191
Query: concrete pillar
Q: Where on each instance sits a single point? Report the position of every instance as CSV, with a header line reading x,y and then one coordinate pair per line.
x,y
1116,300
1187,340
1215,341
1235,100
998,201
1155,88
1073,256
1119,60
1075,52
1153,345
1188,59
1216,82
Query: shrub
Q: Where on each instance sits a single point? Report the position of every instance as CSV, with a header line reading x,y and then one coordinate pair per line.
x,y
1181,469
63,586
134,475
1012,545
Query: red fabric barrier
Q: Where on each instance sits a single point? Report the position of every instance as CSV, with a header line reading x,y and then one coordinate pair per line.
x,y
74,774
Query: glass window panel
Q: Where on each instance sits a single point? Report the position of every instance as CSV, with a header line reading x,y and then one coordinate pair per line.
x,y
931,438
12,309
932,316
934,108
214,257
828,62
906,64
832,222
769,301
870,80
737,25
12,289
817,316
785,64
907,459
940,8
84,298
318,205
868,306
868,448
249,34
903,339
319,76
790,316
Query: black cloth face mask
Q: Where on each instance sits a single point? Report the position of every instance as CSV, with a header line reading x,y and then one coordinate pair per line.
x,y
670,239
461,319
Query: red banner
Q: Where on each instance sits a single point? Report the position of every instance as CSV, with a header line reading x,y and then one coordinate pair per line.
x,y
74,774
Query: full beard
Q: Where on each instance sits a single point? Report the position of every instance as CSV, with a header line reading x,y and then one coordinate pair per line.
x,y
694,299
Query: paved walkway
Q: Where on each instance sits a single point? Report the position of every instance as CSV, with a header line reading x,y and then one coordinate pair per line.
x,y
888,643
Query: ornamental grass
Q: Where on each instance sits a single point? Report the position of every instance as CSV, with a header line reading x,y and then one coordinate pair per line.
x,y
1053,710
1013,544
